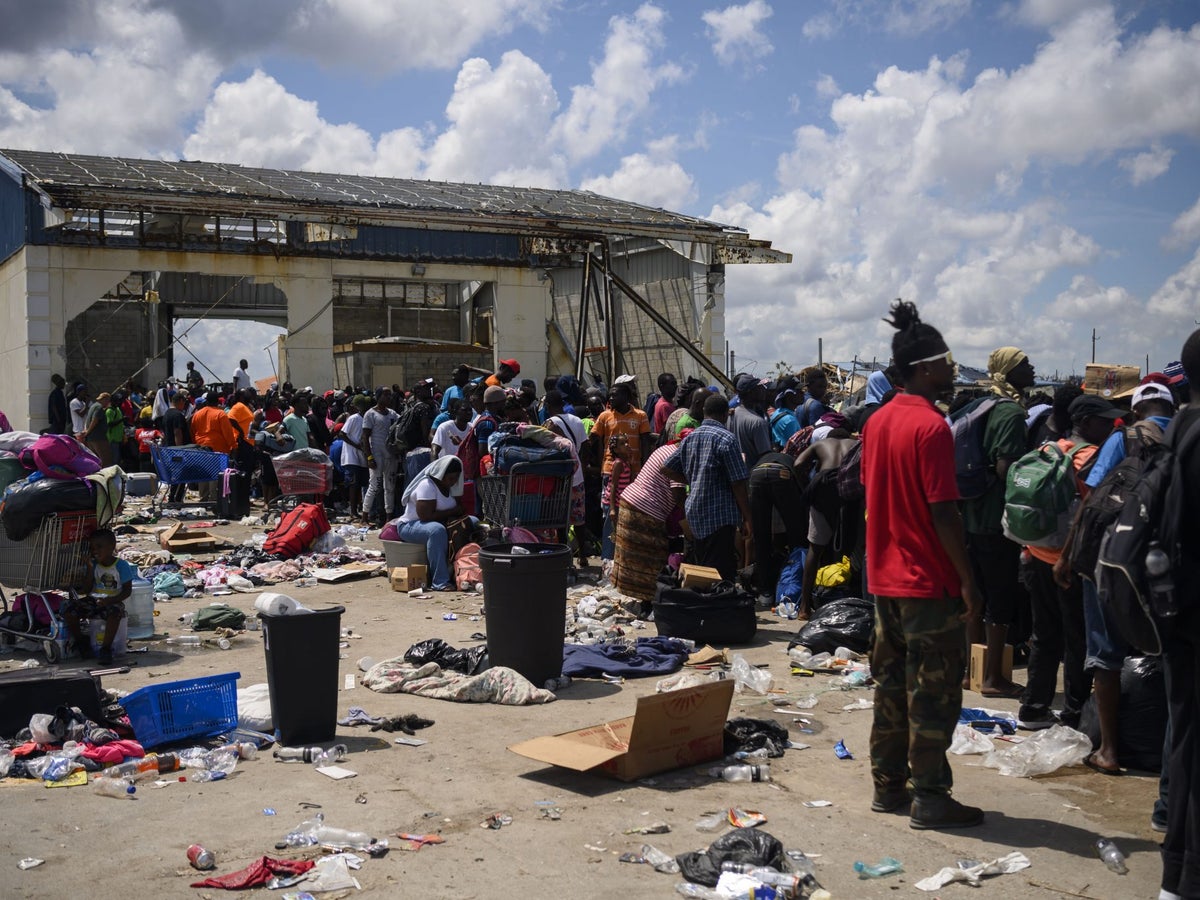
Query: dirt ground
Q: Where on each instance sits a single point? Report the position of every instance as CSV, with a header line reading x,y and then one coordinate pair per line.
x,y
98,847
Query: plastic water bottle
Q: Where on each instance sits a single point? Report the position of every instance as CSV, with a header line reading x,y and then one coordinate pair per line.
x,y
699,891
742,773
789,884
334,754
662,862
114,787
188,643
147,765
1108,851
787,608
344,839
244,749
213,765
886,866
301,754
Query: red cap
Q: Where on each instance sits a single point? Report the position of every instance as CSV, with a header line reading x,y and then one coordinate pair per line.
x,y
1156,378
512,364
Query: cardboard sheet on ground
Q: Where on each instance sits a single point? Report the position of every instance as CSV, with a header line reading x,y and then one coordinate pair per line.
x,y
348,572
182,539
667,731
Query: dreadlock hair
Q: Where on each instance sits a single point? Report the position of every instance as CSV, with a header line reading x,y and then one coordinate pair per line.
x,y
1061,415
914,339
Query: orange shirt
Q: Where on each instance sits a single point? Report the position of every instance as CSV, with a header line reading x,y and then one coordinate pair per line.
x,y
212,428
244,416
1051,555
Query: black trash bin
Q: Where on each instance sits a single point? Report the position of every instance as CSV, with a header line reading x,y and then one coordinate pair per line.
x,y
525,603
302,674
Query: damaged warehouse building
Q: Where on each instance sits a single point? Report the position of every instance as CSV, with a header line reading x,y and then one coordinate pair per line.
x,y
376,280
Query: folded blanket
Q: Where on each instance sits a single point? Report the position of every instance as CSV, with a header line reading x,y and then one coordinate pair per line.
x,y
496,685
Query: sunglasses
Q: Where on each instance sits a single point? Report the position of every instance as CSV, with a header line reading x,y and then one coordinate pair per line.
x,y
947,356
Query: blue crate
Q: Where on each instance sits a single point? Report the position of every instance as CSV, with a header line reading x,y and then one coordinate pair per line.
x,y
194,707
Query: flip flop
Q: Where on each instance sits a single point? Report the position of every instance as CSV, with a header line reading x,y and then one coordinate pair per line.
x,y
1096,767
1012,693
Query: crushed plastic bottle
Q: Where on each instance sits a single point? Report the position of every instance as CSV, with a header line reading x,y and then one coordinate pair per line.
x,y
712,822
788,884
741,773
335,754
748,677
114,787
1108,851
318,756
662,862
314,831
886,866
210,765
787,608
6,761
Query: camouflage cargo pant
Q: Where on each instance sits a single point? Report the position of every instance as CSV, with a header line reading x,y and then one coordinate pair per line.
x,y
918,662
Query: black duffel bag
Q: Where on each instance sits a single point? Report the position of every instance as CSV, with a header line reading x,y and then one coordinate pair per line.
x,y
721,615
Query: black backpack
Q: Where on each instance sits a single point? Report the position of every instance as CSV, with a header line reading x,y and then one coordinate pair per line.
x,y
849,477
1143,443
1147,535
971,468
405,433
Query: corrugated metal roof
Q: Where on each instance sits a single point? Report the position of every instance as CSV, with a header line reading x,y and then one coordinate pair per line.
x,y
82,182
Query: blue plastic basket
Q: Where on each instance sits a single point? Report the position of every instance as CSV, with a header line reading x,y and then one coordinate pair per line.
x,y
195,707
179,465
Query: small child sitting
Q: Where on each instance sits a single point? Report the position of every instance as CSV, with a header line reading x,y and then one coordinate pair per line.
x,y
110,585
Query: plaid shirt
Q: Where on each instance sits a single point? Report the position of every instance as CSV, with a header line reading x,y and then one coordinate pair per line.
x,y
711,460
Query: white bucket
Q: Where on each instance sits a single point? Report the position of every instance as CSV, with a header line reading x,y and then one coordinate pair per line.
x,y
139,609
119,642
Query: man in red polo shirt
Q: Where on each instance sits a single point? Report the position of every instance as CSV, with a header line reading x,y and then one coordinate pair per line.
x,y
920,574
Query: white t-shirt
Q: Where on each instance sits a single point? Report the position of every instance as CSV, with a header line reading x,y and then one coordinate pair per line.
x,y
448,436
426,490
241,379
78,415
353,429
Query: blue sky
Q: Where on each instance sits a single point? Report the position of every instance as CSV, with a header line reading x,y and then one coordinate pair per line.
x,y
1025,170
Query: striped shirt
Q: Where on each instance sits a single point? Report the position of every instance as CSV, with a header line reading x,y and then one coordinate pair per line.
x,y
650,492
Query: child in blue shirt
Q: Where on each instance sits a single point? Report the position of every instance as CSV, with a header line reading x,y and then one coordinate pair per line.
x,y
109,585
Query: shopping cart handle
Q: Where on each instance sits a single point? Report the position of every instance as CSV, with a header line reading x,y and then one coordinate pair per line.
x,y
115,670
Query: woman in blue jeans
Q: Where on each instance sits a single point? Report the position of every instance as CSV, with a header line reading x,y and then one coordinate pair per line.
x,y
430,501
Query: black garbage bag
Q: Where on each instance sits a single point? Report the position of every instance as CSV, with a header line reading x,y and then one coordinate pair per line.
x,y
469,661
1142,718
748,735
27,502
745,845
841,623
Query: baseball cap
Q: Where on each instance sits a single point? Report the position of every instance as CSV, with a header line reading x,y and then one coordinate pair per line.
x,y
1174,372
744,383
1155,378
1152,391
1088,405
494,394
624,379
512,364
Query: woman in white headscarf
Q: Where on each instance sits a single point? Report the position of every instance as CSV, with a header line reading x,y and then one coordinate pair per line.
x,y
432,500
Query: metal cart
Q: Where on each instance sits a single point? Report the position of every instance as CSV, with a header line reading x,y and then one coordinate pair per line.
x,y
302,480
533,495
50,563
184,465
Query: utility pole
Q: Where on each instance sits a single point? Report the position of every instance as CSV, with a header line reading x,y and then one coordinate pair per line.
x,y
1094,339
821,352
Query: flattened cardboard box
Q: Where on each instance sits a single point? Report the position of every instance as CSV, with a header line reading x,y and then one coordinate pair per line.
x,y
177,537
668,731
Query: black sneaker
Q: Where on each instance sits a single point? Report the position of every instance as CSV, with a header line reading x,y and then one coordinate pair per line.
x,y
1158,825
890,801
941,812
1036,720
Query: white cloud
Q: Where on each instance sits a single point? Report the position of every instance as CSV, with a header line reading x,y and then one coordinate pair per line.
x,y
904,18
915,191
1045,13
1179,297
734,32
1147,166
649,179
220,343
621,88
1185,229
827,87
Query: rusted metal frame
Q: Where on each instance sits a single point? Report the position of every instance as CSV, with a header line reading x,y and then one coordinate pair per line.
x,y
611,305
662,322
583,316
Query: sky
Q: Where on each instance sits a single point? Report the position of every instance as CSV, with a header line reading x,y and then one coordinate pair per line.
x,y
1026,171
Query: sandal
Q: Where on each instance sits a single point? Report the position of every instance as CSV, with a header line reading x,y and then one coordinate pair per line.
x,y
1012,692
1091,763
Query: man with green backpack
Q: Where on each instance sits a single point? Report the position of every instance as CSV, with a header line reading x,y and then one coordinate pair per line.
x,y
1042,492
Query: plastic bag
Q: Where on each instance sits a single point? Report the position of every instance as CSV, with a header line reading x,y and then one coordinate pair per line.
x,y
1041,753
6,761
679,681
791,579
747,677
748,735
254,708
842,623
469,661
41,729
743,845
968,740
327,543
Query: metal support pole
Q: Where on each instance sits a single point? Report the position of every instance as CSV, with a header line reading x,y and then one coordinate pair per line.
x,y
610,309
583,316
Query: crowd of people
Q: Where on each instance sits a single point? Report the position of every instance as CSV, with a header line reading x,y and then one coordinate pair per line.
x,y
739,483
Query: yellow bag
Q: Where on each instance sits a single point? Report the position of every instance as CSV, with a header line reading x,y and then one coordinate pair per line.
x,y
834,574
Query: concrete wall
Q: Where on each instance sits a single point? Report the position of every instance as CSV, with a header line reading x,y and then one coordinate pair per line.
x,y
109,342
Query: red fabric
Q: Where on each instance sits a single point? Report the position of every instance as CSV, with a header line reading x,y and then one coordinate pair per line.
x,y
113,752
257,873
908,464
662,412
29,748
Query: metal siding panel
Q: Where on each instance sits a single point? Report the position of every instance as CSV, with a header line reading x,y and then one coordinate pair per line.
x,y
14,216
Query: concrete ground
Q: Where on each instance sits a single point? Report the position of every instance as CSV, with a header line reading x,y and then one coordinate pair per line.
x,y
98,847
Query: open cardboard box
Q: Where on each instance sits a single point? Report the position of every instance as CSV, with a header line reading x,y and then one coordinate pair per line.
x,y
667,731
177,537
698,578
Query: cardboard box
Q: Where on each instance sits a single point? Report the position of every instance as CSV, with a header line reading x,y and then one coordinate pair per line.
x,y
979,663
697,578
408,578
667,731
1111,381
178,538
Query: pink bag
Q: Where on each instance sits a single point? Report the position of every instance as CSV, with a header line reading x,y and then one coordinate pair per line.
x,y
60,456
35,607
467,572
